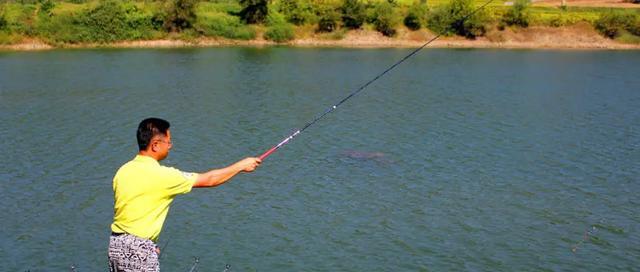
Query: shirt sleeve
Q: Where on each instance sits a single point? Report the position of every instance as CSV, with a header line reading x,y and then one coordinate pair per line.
x,y
178,182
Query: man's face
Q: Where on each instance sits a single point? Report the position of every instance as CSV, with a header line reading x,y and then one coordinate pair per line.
x,y
162,145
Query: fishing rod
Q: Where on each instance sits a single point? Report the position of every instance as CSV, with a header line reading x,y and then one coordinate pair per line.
x,y
332,108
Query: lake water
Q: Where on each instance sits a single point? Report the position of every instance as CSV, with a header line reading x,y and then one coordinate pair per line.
x,y
458,160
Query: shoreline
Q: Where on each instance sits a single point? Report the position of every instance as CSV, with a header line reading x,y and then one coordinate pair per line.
x,y
576,37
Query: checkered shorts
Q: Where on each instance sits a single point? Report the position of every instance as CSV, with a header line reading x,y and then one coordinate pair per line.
x,y
128,253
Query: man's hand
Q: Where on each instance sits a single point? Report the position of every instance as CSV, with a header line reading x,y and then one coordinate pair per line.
x,y
219,176
249,164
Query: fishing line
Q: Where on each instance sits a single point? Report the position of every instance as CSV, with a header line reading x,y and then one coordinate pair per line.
x,y
332,108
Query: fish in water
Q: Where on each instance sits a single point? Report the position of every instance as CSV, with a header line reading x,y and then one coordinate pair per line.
x,y
366,156
363,155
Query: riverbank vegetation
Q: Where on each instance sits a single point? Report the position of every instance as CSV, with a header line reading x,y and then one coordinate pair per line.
x,y
107,21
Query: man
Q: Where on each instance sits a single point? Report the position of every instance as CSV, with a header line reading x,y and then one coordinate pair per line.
x,y
143,191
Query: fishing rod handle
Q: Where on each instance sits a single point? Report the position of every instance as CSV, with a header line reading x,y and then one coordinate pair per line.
x,y
273,149
266,154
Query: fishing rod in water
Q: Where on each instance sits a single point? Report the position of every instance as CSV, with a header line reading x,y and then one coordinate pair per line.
x,y
332,108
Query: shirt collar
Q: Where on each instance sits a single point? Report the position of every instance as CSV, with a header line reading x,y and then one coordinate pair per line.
x,y
145,159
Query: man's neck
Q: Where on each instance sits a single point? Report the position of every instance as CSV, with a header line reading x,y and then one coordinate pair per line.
x,y
148,154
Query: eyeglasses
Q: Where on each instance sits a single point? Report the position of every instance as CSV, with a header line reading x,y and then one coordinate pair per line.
x,y
166,142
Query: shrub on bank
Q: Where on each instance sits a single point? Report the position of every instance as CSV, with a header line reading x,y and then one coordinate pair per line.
x,y
353,14
279,33
278,29
518,14
448,19
614,22
108,21
416,16
385,18
113,20
297,12
3,20
254,11
179,15
224,25
328,18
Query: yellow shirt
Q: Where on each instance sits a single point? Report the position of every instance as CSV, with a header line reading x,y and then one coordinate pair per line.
x,y
143,190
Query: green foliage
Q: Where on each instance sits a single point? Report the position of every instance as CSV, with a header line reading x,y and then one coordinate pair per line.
x,y
628,38
46,6
614,22
353,14
108,21
298,12
6,38
329,17
449,19
275,18
3,20
416,16
634,28
278,30
518,14
385,19
224,25
63,29
254,11
279,33
180,15
19,19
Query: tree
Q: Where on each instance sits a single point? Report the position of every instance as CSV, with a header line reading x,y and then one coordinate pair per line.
x,y
385,19
353,14
254,11
416,16
328,18
518,15
450,19
297,12
3,21
180,15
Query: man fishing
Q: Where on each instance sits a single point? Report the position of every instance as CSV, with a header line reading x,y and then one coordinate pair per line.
x,y
143,191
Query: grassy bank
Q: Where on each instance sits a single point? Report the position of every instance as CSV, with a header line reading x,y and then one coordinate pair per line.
x,y
78,22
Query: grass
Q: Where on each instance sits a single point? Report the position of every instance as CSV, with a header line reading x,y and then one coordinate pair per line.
x,y
628,38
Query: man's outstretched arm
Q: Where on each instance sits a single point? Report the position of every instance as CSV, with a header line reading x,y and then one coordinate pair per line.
x,y
216,177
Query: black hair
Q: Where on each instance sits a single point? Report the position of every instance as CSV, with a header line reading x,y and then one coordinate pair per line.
x,y
149,128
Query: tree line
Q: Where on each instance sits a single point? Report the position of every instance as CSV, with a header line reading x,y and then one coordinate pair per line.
x,y
104,21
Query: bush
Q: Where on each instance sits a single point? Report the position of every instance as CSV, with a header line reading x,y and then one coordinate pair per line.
x,y
254,11
385,19
63,29
18,19
109,21
416,16
46,6
614,22
298,12
449,19
3,20
635,27
224,25
278,30
518,14
8,38
180,15
328,18
279,33
353,14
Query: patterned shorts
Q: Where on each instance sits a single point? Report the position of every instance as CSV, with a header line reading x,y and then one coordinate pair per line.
x,y
131,253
